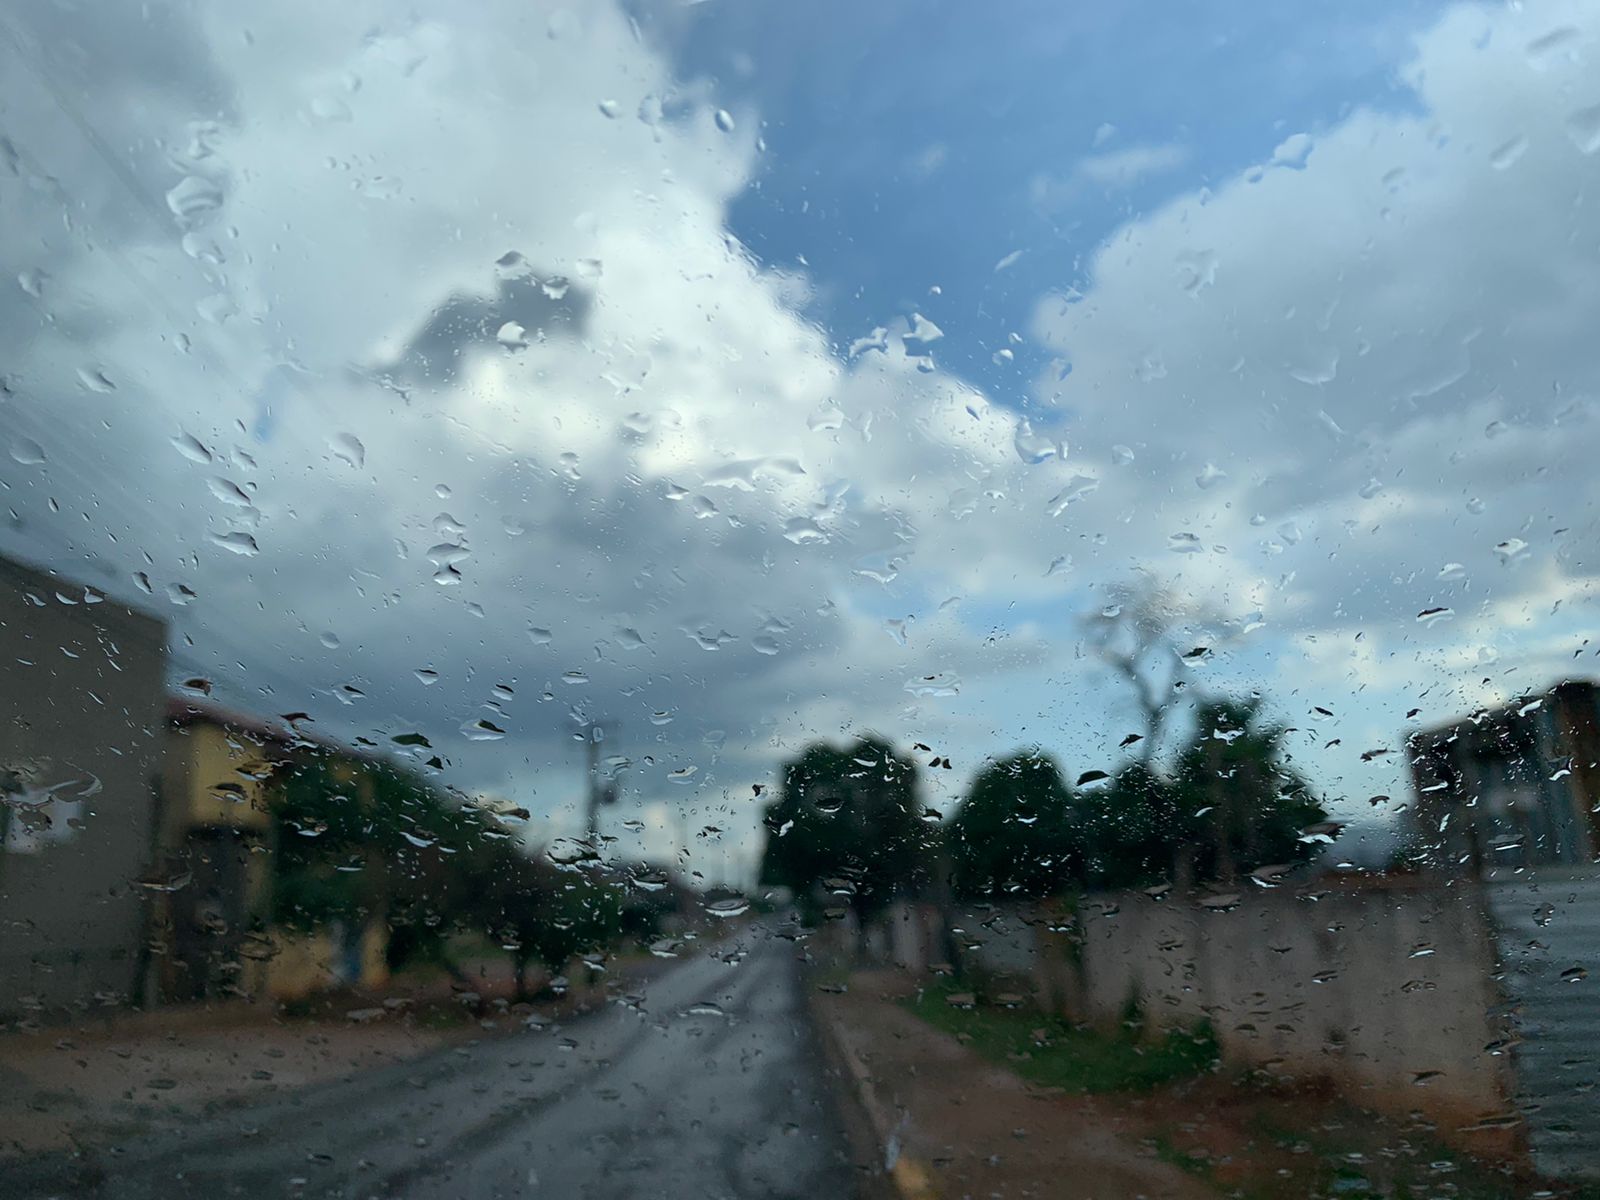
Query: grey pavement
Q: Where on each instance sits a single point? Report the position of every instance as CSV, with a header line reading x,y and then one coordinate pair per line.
x,y
709,1082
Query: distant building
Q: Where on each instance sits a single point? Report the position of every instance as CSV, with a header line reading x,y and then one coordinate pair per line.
x,y
82,682
211,885
1515,786
218,833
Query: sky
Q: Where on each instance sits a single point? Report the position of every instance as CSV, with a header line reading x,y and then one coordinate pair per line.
x,y
743,374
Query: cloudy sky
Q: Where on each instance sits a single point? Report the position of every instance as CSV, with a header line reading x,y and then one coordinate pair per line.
x,y
744,374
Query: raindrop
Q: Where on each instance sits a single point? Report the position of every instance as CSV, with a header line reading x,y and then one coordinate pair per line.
x,y
1369,489
1034,448
575,678
555,287
539,636
1429,616
512,336
349,448
940,685
724,120
1121,455
330,639
32,282
229,492
194,199
142,581
1511,549
1583,127
482,731
27,452
237,542
1183,543
190,447
96,380
1210,476
1547,46
661,717
733,907
1077,488
764,644
682,774
610,109
1505,155
803,530
426,676
629,639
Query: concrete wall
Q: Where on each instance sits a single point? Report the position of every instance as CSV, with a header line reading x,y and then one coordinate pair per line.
x,y
1388,993
81,696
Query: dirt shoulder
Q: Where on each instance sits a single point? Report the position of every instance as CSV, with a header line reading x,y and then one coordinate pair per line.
x,y
114,1076
971,1128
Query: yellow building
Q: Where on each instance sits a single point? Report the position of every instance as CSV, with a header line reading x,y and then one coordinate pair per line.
x,y
216,833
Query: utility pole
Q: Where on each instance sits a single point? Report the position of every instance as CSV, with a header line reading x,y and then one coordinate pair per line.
x,y
602,791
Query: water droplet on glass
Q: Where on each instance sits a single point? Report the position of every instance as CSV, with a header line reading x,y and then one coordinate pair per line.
x,y
1431,616
1210,475
349,448
1505,155
555,287
482,731
236,542
1511,549
191,448
939,685
32,282
1583,127
1034,448
733,907
1184,543
27,452
1452,570
512,336
803,530
575,678
724,120
1121,455
96,380
194,199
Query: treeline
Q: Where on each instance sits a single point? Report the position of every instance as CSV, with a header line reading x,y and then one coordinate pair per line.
x,y
368,840
848,827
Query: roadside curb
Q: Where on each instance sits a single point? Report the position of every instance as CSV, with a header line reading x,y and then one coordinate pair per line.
x,y
903,1176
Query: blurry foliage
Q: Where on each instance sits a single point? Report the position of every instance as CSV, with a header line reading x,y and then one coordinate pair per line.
x,y
847,829
1016,833
362,840
540,913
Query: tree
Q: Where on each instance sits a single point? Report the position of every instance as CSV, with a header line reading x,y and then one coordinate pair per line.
x,y
1234,771
848,821
1015,834
1133,831
541,914
1135,635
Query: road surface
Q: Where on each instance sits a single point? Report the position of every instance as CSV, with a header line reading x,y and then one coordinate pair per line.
x,y
708,1083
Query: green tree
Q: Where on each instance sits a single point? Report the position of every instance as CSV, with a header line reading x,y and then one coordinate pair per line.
x,y
1253,803
542,914
848,821
1016,833
1133,832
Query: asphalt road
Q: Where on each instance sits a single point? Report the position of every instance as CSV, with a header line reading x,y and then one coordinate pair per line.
x,y
708,1083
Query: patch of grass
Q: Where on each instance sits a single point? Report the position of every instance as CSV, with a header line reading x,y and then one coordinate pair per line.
x,y
1053,1053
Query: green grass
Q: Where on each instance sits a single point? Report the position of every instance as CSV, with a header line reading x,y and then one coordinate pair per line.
x,y
1067,1057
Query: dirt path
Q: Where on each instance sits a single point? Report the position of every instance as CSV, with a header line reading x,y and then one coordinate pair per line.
x,y
976,1130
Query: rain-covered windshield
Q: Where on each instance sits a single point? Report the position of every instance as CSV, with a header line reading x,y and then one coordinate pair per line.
x,y
631,599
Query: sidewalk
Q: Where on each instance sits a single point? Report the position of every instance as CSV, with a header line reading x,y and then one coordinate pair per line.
x,y
957,1126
